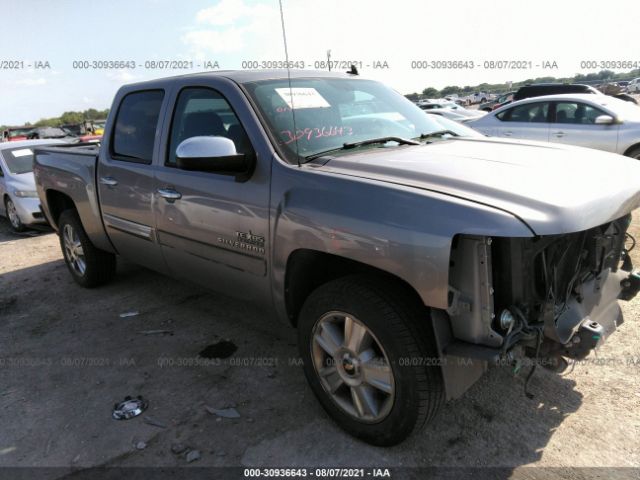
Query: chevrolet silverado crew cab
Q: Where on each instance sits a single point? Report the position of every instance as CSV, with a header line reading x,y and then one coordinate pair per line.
x,y
410,252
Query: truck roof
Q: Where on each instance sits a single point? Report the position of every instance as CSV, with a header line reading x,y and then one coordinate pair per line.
x,y
246,76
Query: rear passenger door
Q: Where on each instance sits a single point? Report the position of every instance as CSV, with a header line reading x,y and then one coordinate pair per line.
x,y
529,121
126,177
215,229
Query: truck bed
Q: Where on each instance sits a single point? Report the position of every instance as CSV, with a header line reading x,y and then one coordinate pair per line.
x,y
70,171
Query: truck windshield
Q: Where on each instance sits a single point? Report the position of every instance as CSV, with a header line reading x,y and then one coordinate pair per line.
x,y
317,115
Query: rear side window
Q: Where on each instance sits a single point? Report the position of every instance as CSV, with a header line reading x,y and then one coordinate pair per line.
x,y
135,128
529,112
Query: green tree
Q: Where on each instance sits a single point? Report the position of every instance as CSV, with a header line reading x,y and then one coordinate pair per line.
x,y
430,92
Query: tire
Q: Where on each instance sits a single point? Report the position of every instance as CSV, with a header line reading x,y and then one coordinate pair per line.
x,y
88,265
402,395
634,153
12,215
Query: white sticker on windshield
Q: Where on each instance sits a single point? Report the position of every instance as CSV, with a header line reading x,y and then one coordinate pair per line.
x,y
302,98
23,152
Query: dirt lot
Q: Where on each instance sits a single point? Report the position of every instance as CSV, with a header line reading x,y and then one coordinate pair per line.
x,y
67,356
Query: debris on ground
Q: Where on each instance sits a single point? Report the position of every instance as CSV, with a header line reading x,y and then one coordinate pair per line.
x,y
193,455
222,349
132,313
156,332
141,445
129,408
154,422
178,448
223,412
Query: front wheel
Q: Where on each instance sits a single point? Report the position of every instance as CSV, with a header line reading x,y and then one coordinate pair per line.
x,y
370,358
14,218
634,153
89,266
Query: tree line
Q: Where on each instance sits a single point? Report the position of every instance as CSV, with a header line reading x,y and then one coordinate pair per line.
x,y
68,118
601,76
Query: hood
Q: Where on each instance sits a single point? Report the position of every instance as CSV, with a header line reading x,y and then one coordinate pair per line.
x,y
552,188
21,181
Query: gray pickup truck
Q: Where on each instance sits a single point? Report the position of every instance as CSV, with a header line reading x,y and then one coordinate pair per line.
x,y
410,252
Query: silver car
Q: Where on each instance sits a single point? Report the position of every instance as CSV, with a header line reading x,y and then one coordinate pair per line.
x,y
20,203
594,121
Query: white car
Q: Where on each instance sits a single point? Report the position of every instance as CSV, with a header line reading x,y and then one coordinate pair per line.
x,y
20,202
634,86
594,121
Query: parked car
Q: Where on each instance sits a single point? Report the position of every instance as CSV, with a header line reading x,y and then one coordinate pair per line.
x,y
450,114
41,133
586,120
541,89
16,134
500,100
634,86
20,203
409,251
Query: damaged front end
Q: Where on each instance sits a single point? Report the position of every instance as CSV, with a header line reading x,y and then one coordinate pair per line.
x,y
547,297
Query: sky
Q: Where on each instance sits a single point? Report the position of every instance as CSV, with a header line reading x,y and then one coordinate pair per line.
x,y
229,33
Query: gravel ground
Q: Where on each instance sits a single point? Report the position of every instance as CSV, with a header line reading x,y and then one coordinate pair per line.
x,y
68,356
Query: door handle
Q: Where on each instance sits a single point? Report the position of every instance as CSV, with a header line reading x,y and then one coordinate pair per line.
x,y
507,134
169,194
559,134
108,181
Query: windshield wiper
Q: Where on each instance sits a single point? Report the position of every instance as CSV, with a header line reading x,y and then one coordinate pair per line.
x,y
438,133
371,141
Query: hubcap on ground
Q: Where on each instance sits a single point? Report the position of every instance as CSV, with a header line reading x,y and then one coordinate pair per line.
x,y
353,367
13,214
73,249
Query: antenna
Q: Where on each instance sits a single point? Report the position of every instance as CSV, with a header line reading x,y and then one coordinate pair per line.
x,y
286,55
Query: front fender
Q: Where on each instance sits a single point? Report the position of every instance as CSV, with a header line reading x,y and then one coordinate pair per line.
x,y
401,230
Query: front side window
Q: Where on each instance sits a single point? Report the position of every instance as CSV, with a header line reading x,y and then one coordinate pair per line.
x,y
529,112
205,112
315,115
135,128
577,113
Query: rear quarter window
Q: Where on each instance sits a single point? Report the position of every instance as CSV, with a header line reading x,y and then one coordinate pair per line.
x,y
134,132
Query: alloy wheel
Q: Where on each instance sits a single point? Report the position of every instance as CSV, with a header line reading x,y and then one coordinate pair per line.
x,y
352,366
73,249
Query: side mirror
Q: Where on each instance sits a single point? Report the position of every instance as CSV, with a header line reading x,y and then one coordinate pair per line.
x,y
604,120
215,155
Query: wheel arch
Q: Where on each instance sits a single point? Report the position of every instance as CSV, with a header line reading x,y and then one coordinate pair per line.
x,y
633,147
307,269
58,202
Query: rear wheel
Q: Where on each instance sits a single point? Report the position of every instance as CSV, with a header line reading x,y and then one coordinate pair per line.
x,y
89,266
370,359
12,214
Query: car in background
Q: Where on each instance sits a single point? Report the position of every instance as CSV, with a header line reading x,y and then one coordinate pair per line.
x,y
45,133
500,100
586,120
16,134
634,86
20,203
449,114
541,89
451,110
